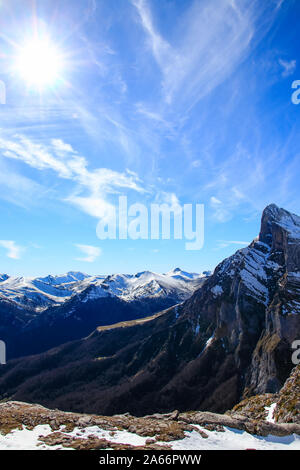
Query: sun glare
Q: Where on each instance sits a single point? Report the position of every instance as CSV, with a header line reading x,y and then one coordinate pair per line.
x,y
39,63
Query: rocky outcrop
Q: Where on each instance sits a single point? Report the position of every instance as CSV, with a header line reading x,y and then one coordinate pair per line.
x,y
156,432
162,429
288,405
284,405
256,407
241,422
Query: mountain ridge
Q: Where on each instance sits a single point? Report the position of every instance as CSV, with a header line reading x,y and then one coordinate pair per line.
x,y
85,302
41,292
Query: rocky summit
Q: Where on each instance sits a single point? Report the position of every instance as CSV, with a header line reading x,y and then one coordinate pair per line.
x,y
230,341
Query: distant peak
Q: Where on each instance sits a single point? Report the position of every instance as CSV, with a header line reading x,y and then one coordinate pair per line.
x,y
78,274
143,273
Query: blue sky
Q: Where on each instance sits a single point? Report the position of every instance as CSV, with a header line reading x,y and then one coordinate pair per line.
x,y
186,101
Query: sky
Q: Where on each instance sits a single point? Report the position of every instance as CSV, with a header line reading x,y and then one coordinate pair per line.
x,y
174,102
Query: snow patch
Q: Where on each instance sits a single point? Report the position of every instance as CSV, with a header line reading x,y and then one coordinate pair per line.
x,y
217,290
230,439
270,409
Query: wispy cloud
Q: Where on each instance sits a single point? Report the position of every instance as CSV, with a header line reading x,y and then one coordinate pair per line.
x,y
13,250
215,37
66,163
226,243
279,4
92,187
220,211
61,148
95,206
91,252
19,189
249,178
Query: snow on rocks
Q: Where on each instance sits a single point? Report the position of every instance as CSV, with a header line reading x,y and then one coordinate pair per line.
x,y
30,427
217,290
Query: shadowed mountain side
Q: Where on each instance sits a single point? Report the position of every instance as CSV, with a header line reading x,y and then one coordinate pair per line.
x,y
135,367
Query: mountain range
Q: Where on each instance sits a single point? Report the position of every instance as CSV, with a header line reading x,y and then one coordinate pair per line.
x,y
230,340
39,313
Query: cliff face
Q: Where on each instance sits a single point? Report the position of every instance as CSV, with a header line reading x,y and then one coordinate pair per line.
x,y
271,361
231,339
252,305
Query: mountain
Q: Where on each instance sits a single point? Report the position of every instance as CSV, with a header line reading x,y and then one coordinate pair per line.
x,y
231,339
39,293
33,294
40,313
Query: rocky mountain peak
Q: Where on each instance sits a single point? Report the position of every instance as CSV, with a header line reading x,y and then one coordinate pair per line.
x,y
271,215
275,220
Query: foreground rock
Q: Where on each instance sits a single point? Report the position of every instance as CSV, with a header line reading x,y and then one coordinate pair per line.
x,y
15,415
156,432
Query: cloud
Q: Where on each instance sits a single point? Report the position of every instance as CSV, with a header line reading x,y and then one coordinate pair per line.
x,y
35,155
226,243
289,67
91,252
215,202
72,166
170,200
154,116
13,250
62,159
279,4
18,189
249,178
61,148
95,190
93,206
215,38
220,212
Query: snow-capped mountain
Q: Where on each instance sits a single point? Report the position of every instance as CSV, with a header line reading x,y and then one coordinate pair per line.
x,y
40,313
42,292
35,294
143,285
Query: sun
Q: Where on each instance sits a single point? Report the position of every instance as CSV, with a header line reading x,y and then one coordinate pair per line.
x,y
39,63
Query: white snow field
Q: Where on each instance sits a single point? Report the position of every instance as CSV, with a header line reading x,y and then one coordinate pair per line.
x,y
231,439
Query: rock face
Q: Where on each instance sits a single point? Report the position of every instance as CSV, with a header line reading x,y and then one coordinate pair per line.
x,y
232,339
271,361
